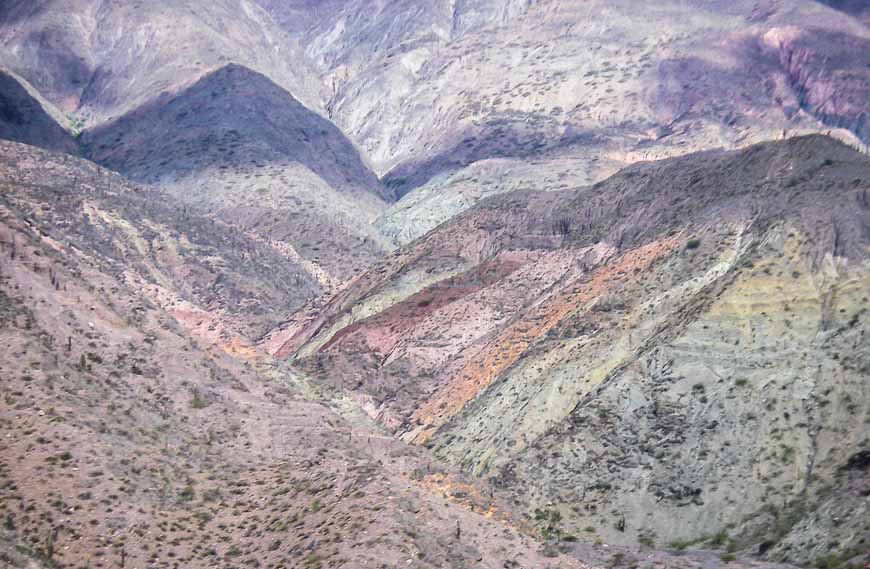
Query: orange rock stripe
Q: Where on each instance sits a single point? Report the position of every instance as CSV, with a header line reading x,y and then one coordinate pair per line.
x,y
482,369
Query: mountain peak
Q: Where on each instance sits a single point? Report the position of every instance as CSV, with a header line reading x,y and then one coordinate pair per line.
x,y
232,115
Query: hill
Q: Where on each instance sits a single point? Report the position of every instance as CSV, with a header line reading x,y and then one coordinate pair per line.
x,y
146,434
237,146
670,356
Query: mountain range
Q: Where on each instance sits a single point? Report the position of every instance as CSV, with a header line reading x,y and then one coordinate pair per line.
x,y
460,283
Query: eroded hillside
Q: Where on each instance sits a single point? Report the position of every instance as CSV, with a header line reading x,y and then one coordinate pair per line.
x,y
455,101
343,283
131,438
237,146
26,117
674,355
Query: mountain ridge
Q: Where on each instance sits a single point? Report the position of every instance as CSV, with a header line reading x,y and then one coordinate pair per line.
x,y
461,283
239,147
534,309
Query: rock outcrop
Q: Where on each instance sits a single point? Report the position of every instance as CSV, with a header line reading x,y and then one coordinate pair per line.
x,y
674,355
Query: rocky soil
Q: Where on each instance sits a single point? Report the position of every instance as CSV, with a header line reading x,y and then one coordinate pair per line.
x,y
130,436
342,283
637,358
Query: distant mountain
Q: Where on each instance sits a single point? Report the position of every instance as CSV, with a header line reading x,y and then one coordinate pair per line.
x,y
452,101
237,145
455,101
25,117
231,117
670,355
102,59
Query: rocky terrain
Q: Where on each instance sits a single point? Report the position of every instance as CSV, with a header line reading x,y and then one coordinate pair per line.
x,y
450,283
456,100
237,146
676,355
136,434
452,101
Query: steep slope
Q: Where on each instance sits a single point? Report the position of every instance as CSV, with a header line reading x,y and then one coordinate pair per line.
x,y
238,146
24,117
130,440
675,355
229,282
457,100
101,59
452,101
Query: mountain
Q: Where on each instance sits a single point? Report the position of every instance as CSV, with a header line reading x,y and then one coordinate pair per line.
x,y
238,146
26,117
445,283
101,59
234,285
149,438
454,101
674,355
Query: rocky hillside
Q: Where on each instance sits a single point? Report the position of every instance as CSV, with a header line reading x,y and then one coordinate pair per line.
x,y
434,283
144,428
239,147
219,274
100,59
675,356
453,101
26,117
266,162
137,434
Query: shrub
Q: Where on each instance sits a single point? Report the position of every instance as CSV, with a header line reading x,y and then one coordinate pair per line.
x,y
647,539
186,493
719,539
198,402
